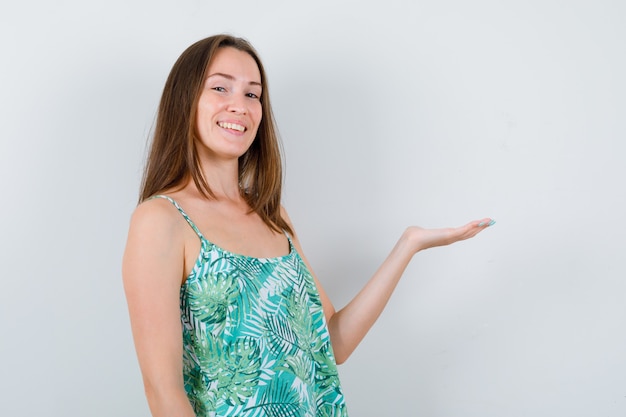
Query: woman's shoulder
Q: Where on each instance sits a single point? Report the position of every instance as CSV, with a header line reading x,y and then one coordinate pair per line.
x,y
155,243
156,215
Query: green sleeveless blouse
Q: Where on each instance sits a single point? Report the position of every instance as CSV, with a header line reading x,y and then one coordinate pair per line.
x,y
255,340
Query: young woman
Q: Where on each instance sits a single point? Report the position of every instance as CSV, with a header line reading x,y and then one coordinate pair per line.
x,y
227,316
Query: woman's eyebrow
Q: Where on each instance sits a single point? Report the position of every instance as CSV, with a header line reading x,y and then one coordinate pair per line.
x,y
230,77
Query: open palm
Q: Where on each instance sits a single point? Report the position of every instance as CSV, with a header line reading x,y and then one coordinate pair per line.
x,y
430,238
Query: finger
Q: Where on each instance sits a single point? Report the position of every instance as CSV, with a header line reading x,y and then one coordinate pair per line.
x,y
486,222
473,228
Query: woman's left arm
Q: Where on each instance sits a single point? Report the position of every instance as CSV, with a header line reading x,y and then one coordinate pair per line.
x,y
349,325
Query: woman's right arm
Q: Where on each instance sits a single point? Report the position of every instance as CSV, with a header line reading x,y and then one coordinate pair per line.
x,y
152,271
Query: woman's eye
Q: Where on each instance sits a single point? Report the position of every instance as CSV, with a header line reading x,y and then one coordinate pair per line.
x,y
252,95
220,89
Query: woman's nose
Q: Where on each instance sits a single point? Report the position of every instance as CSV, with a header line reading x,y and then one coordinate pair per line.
x,y
237,105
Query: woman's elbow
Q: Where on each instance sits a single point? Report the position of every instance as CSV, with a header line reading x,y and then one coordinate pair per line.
x,y
341,356
341,361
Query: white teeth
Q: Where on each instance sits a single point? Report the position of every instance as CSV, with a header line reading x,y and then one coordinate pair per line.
x,y
232,126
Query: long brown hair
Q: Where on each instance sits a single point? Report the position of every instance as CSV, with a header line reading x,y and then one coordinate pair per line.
x,y
173,158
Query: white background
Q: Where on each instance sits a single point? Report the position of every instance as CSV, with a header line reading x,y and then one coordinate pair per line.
x,y
392,113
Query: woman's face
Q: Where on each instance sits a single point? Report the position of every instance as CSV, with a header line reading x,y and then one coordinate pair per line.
x,y
229,108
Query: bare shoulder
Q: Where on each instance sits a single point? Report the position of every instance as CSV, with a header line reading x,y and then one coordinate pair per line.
x,y
156,227
155,247
156,214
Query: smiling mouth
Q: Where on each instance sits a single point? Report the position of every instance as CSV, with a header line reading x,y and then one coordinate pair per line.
x,y
232,126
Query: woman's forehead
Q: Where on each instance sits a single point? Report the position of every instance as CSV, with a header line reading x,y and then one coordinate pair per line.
x,y
233,63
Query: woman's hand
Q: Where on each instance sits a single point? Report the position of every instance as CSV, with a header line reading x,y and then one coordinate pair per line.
x,y
349,325
421,238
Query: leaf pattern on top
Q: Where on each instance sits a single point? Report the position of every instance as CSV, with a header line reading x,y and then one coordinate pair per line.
x,y
210,300
255,340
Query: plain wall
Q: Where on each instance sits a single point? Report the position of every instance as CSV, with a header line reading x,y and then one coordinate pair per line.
x,y
392,113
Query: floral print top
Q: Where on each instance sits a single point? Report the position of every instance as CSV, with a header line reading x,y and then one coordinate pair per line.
x,y
255,340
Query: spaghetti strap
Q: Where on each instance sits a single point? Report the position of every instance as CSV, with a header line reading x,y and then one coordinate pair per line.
x,y
180,209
